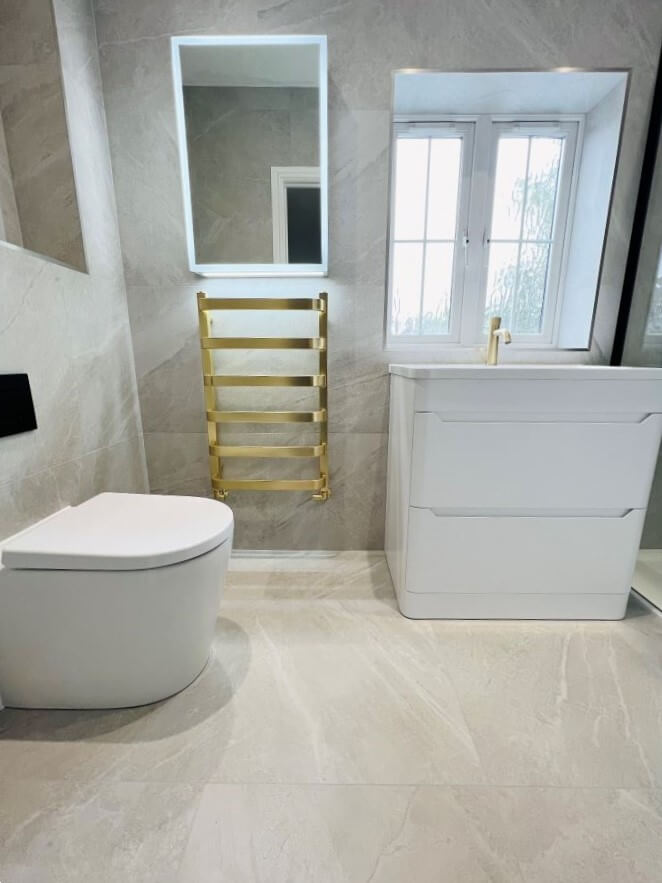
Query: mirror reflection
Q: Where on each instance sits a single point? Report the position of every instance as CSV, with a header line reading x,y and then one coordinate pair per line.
x,y
38,205
251,114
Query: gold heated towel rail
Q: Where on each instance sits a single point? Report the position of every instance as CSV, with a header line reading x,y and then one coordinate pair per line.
x,y
215,416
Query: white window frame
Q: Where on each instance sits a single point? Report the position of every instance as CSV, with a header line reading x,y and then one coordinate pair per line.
x,y
469,300
282,178
444,129
568,129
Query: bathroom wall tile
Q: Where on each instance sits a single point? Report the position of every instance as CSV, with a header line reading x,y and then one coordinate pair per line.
x,y
26,500
145,160
123,831
26,32
359,146
34,336
164,327
119,468
32,106
88,136
69,330
247,832
176,459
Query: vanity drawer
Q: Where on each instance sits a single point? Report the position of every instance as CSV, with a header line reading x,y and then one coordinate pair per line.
x,y
521,554
532,465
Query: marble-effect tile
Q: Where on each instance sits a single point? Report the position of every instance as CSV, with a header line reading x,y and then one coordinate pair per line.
x,y
329,738
70,330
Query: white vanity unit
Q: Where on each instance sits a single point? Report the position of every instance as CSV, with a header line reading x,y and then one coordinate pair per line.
x,y
518,492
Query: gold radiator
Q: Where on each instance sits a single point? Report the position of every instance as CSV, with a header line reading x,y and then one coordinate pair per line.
x,y
216,417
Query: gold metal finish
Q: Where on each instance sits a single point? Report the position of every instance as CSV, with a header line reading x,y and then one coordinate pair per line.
x,y
267,416
263,343
494,334
277,451
265,303
264,380
216,416
223,485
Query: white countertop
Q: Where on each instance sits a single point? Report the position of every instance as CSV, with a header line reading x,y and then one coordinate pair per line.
x,y
523,372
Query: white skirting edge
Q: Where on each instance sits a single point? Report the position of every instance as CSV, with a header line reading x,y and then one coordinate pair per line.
x,y
512,606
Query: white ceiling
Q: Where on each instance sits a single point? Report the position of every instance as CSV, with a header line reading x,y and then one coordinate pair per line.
x,y
250,65
503,91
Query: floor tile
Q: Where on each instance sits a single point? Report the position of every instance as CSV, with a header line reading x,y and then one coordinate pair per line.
x,y
572,704
329,738
63,832
581,836
348,834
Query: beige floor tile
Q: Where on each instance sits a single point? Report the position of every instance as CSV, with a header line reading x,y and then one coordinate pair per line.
x,y
587,835
348,834
62,832
312,696
573,704
331,739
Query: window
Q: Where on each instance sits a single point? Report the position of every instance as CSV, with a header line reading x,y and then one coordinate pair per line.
x,y
479,220
429,219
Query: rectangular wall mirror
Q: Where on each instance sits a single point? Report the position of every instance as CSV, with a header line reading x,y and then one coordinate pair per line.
x,y
252,128
38,204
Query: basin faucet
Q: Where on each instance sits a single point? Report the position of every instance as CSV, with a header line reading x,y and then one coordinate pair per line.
x,y
495,333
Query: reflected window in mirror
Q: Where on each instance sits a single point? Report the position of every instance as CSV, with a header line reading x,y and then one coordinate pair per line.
x,y
654,320
501,189
252,120
38,203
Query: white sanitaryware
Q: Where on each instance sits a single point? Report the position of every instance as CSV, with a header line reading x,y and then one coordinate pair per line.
x,y
518,492
111,603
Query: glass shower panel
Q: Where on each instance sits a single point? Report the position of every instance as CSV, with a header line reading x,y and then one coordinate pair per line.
x,y
643,347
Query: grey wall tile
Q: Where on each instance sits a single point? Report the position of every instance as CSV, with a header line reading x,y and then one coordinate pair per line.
x,y
70,330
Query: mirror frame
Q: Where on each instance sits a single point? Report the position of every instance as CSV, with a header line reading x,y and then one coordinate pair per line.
x,y
226,270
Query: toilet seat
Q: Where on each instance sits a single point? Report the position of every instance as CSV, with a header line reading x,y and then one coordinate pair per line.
x,y
121,532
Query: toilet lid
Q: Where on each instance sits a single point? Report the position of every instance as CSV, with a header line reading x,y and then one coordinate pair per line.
x,y
122,532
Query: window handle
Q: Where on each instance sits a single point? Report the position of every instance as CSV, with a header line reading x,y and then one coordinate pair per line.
x,y
465,244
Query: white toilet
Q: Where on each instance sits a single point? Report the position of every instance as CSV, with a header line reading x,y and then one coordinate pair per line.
x,y
111,603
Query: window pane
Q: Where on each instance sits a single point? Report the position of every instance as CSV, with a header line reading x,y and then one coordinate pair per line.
x,y
510,175
530,298
543,179
444,184
501,282
406,298
411,165
437,288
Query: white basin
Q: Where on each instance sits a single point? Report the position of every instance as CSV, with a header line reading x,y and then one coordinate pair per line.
x,y
434,371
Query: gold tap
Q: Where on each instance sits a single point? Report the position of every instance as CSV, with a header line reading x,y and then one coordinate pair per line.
x,y
495,333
